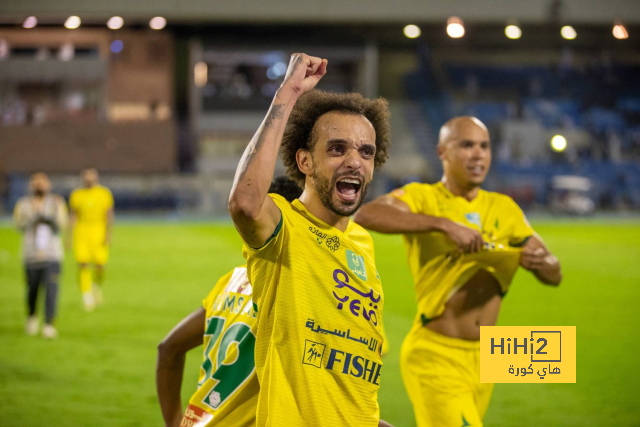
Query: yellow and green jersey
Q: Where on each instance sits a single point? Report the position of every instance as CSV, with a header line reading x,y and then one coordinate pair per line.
x,y
437,268
228,389
90,206
320,304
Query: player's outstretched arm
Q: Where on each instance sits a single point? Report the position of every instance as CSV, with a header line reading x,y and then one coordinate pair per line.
x,y
170,364
383,423
254,214
389,215
543,264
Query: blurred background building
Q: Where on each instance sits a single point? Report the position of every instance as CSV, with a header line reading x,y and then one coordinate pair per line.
x,y
162,97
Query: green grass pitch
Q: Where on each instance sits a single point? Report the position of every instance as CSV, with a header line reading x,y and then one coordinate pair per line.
x,y
100,372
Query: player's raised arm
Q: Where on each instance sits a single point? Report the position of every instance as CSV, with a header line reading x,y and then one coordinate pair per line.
x,y
389,215
543,264
254,214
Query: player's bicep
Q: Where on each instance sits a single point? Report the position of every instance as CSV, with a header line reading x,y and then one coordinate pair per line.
x,y
256,230
187,334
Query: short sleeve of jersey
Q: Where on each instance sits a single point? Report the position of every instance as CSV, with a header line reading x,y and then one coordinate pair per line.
x,y
270,250
419,197
265,258
521,229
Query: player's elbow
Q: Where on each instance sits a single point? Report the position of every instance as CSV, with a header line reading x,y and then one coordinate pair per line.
x,y
242,207
168,350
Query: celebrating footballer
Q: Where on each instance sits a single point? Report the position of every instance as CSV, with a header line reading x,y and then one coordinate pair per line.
x,y
316,289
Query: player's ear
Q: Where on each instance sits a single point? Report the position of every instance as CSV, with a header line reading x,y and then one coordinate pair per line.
x,y
305,161
442,149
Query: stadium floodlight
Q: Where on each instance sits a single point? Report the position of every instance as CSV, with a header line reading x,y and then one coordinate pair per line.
x,y
412,31
30,22
455,27
200,74
558,143
620,32
158,23
72,22
115,22
568,32
513,32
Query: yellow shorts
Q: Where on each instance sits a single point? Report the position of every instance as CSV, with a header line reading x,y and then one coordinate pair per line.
x,y
442,377
89,248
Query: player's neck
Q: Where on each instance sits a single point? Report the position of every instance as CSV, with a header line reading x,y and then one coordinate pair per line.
x,y
467,192
315,206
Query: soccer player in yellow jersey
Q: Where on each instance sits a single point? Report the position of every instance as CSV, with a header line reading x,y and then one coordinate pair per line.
x,y
318,295
464,245
91,221
227,392
228,389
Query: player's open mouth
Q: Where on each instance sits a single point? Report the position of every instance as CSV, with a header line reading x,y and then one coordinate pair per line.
x,y
348,189
476,170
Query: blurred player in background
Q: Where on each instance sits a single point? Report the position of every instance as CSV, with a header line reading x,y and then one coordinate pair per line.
x,y
228,389
318,295
464,246
41,217
91,224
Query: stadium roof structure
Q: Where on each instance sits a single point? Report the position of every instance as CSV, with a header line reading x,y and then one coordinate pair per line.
x,y
327,11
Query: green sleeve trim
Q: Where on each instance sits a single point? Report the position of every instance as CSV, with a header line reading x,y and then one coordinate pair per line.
x,y
424,319
521,244
275,233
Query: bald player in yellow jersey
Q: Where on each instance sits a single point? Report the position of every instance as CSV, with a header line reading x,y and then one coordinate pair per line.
x,y
91,220
318,295
464,246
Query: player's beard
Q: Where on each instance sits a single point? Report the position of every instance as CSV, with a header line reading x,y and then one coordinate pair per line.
x,y
324,190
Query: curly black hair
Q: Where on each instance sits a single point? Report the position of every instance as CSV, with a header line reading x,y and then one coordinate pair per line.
x,y
286,188
310,106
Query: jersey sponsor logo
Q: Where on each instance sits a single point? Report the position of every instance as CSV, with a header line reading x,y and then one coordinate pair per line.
x,y
313,353
239,282
195,417
354,365
333,243
370,343
341,362
318,233
356,264
474,218
364,303
235,304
